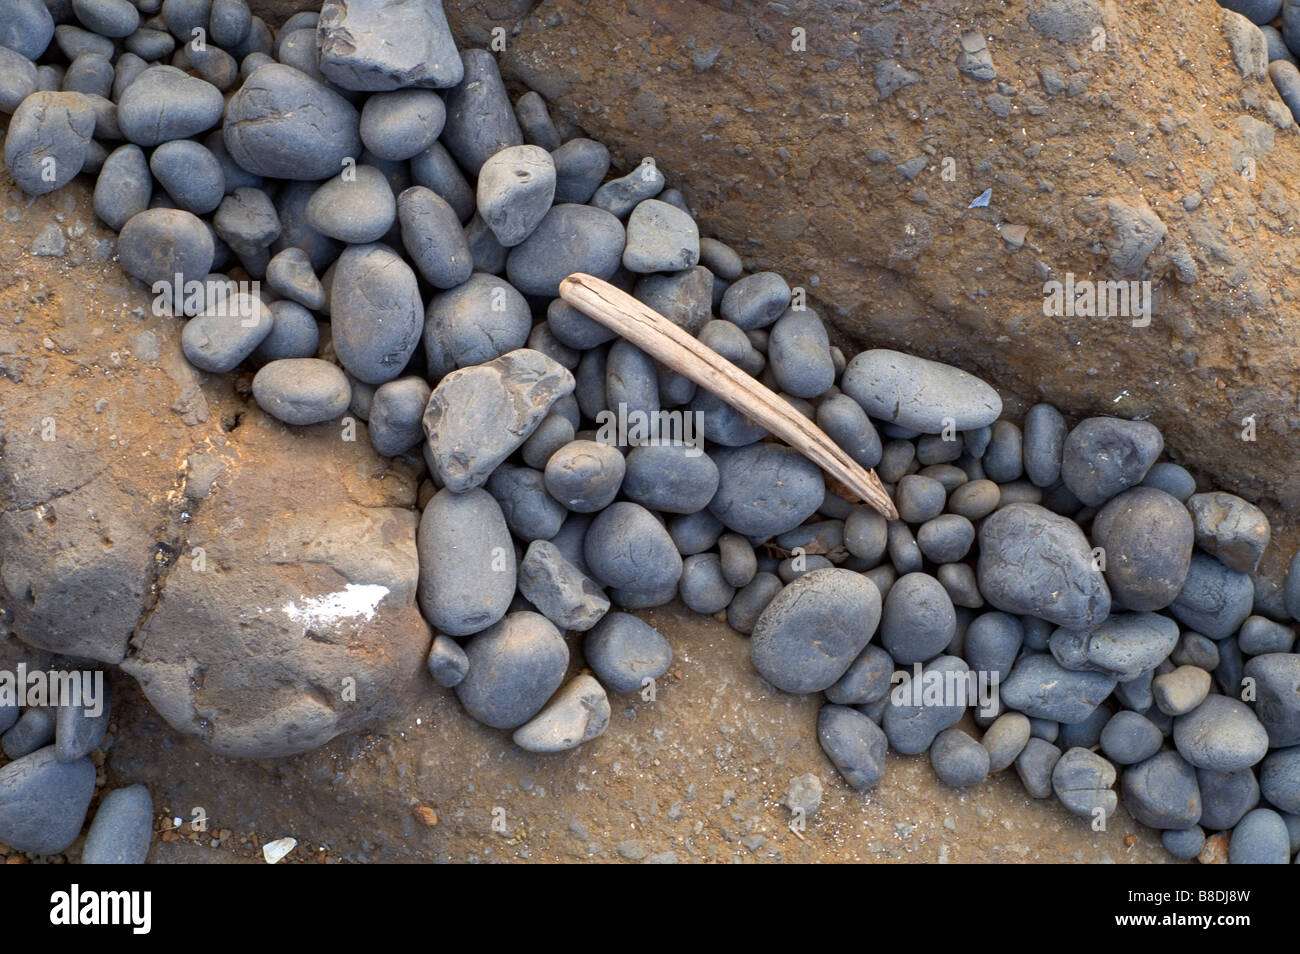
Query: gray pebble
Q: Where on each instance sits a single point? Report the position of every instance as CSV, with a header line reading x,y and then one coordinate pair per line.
x,y
1083,781
975,499
750,601
396,415
1004,459
628,549
535,121
1170,478
247,221
624,652
866,534
514,667
1105,455
1259,839
739,562
660,238
435,169
1183,845
919,394
867,679
432,235
1193,649
291,211
702,586
79,729
563,593
578,713
1123,646
620,196
1005,739
1231,529
918,620
375,312
720,259
34,730
855,745
1147,538
946,538
570,238
1279,779
765,489
1130,737
473,323
1162,792
993,643
800,355
480,120
958,759
191,175
919,710
756,301
1035,765
122,828
230,22
26,27
585,476
467,563
165,103
43,801
219,339
375,45
357,206
18,79
531,512
1214,600
302,390
670,478
1259,636
1041,688
1277,695
844,421
1044,440
447,661
515,190
552,434
1180,691
1221,733
401,124
1226,797
580,167
804,795
290,273
47,140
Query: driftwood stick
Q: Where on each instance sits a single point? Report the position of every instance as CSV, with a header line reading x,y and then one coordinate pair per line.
x,y
666,342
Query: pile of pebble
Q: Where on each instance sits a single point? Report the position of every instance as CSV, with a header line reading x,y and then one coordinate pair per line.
x,y
1265,40
375,178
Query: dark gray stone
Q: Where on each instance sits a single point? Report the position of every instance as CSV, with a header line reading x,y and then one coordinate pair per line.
x,y
467,563
531,512
620,196
302,390
157,245
514,667
660,238
515,189
918,620
403,123
433,237
1130,737
26,27
1260,838
43,801
1105,455
1231,529
480,120
958,759
379,45
922,707
923,395
47,140
628,549
570,238
1123,647
1083,781
1222,734
1035,765
756,301
218,339
855,745
765,489
356,206
122,828
397,415
580,167
1162,792
560,591
1042,689
375,313
1214,600
447,662
1277,695
1147,537
191,175
670,478
1226,796
585,476
624,652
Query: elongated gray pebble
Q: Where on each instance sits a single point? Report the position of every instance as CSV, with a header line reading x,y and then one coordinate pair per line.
x,y
514,667
919,394
302,390
467,562
560,591
855,745
625,652
432,236
122,829
578,713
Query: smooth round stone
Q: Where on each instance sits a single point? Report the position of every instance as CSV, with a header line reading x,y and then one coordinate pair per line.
x,y
124,187
467,562
585,476
670,478
164,104
91,74
291,211
1004,458
218,339
1279,779
1260,839
1085,734
867,679
702,586
1195,650
570,238
1258,12
480,118
799,353
958,759
1230,529
1161,792
1045,729
553,433
276,125
514,667
290,273
515,189
47,140
1042,689
435,169
721,259
375,312
122,828
1147,537
531,513
1082,781
1259,636
230,22
18,79
1105,455
150,45
1005,739
723,424
1170,478
578,713
535,121
1130,737
660,238
433,237
1214,600
750,601
1035,764
975,499
1277,695
1221,733
1180,691
26,27
625,652
1183,845
1044,441
403,123
992,643
79,730
627,548
112,18
918,621
1035,562
473,323
922,395
765,489
1124,646
160,245
43,801
945,539
739,562
1226,797
812,631
447,661
855,745
73,42
191,175
844,422
34,730
756,301
302,391
397,415
866,534
919,710
247,221
580,167
574,329
357,206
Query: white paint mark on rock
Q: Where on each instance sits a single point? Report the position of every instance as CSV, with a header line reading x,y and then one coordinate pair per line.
x,y
351,601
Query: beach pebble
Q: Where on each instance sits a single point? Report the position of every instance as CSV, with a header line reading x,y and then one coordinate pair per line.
x,y
993,642
585,476
1170,478
1226,796
467,562
578,713
396,415
921,707
702,586
124,188
432,236
918,619
290,273
356,206
580,167
1083,781
375,312
480,119
47,140
1221,733
1259,635
1041,688
922,395
1005,739
800,355
627,548
294,333
26,27
1003,459
514,667
560,591
218,339
1035,765
755,301
302,391
1279,779
866,680
844,422
79,729
122,828
379,45
1130,737
1231,529
624,652
447,661
812,631
750,601
958,759
765,489
400,124
620,196
43,801
1180,691
164,103
1277,695
1214,600
230,22
855,745
531,512
191,175
273,123
18,79
515,190
570,238
1161,792
1035,562
1147,538
1124,646
660,238
670,478
1105,455
1260,838
34,730
1044,441
473,323
435,169
247,221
